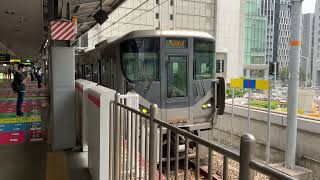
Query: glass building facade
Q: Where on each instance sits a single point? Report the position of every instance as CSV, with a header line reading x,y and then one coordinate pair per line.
x,y
255,33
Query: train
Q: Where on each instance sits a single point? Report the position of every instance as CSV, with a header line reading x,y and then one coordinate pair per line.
x,y
174,69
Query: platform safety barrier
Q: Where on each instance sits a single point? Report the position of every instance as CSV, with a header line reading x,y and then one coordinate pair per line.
x,y
82,87
136,152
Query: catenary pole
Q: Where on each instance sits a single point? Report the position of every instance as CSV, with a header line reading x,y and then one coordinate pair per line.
x,y
293,84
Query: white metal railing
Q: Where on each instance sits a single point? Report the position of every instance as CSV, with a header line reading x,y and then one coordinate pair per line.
x,y
136,152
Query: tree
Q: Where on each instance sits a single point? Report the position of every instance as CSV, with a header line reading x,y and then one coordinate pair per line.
x,y
284,73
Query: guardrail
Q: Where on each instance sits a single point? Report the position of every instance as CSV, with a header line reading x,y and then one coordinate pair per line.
x,y
137,148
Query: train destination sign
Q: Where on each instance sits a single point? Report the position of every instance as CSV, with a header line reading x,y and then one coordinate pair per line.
x,y
176,43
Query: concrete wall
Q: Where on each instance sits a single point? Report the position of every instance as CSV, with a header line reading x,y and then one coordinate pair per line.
x,y
308,139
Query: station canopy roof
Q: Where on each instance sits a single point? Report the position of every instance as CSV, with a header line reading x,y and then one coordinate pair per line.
x,y
85,9
24,24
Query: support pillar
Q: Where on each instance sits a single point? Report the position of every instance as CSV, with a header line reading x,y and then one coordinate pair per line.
x,y
62,91
61,62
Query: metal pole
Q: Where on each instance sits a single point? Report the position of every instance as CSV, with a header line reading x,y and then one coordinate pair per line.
x,y
247,154
293,85
153,144
117,139
249,100
275,72
269,126
225,167
231,134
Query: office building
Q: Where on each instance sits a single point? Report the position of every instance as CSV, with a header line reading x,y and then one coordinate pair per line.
x,y
256,43
316,47
156,14
282,34
307,45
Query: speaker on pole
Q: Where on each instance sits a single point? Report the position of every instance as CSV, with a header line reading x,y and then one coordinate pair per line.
x,y
100,16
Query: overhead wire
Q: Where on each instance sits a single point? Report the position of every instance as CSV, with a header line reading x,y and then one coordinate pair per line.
x,y
130,19
140,14
120,19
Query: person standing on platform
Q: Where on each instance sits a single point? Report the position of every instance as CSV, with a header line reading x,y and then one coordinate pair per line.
x,y
9,73
19,79
5,73
14,71
39,77
32,73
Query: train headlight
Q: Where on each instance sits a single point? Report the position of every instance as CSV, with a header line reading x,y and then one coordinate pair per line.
x,y
143,109
206,106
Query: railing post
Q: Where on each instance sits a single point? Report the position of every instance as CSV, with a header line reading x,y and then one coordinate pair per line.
x,y
247,153
153,144
116,168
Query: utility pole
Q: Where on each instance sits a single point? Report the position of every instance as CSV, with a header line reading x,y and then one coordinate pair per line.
x,y
293,83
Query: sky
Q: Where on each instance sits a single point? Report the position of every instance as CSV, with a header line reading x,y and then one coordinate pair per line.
x,y
308,6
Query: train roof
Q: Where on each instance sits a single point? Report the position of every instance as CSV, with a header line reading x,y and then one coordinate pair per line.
x,y
166,33
157,33
153,33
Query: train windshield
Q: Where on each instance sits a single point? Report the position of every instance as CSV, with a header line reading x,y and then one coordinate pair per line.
x,y
140,59
204,57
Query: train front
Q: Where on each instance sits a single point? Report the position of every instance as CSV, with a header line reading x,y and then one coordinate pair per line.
x,y
177,72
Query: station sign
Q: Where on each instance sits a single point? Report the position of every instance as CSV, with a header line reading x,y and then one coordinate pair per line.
x,y
250,83
176,43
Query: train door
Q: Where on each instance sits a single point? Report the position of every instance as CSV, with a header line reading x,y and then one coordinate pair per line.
x,y
177,88
176,78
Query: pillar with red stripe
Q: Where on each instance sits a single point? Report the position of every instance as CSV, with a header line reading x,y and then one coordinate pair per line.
x,y
62,30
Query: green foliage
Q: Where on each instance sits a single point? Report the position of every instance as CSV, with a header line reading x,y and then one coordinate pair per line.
x,y
284,73
238,93
264,104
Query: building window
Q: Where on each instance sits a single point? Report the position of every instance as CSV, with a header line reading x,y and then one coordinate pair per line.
x,y
157,15
171,16
171,2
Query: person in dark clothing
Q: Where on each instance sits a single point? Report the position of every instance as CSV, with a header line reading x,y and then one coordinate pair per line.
x,y
39,77
9,73
20,78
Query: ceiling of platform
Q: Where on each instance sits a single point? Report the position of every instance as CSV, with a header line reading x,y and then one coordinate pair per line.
x,y
24,24
21,28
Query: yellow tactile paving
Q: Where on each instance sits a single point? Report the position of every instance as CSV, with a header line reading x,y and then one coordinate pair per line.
x,y
20,120
57,168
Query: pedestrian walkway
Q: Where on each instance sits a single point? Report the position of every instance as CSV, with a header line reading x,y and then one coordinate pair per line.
x,y
22,157
32,126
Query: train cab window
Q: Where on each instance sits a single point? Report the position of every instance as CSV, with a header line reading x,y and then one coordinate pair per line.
x,y
140,59
204,57
88,72
177,76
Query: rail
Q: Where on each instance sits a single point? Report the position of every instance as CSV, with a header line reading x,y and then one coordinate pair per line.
x,y
141,149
